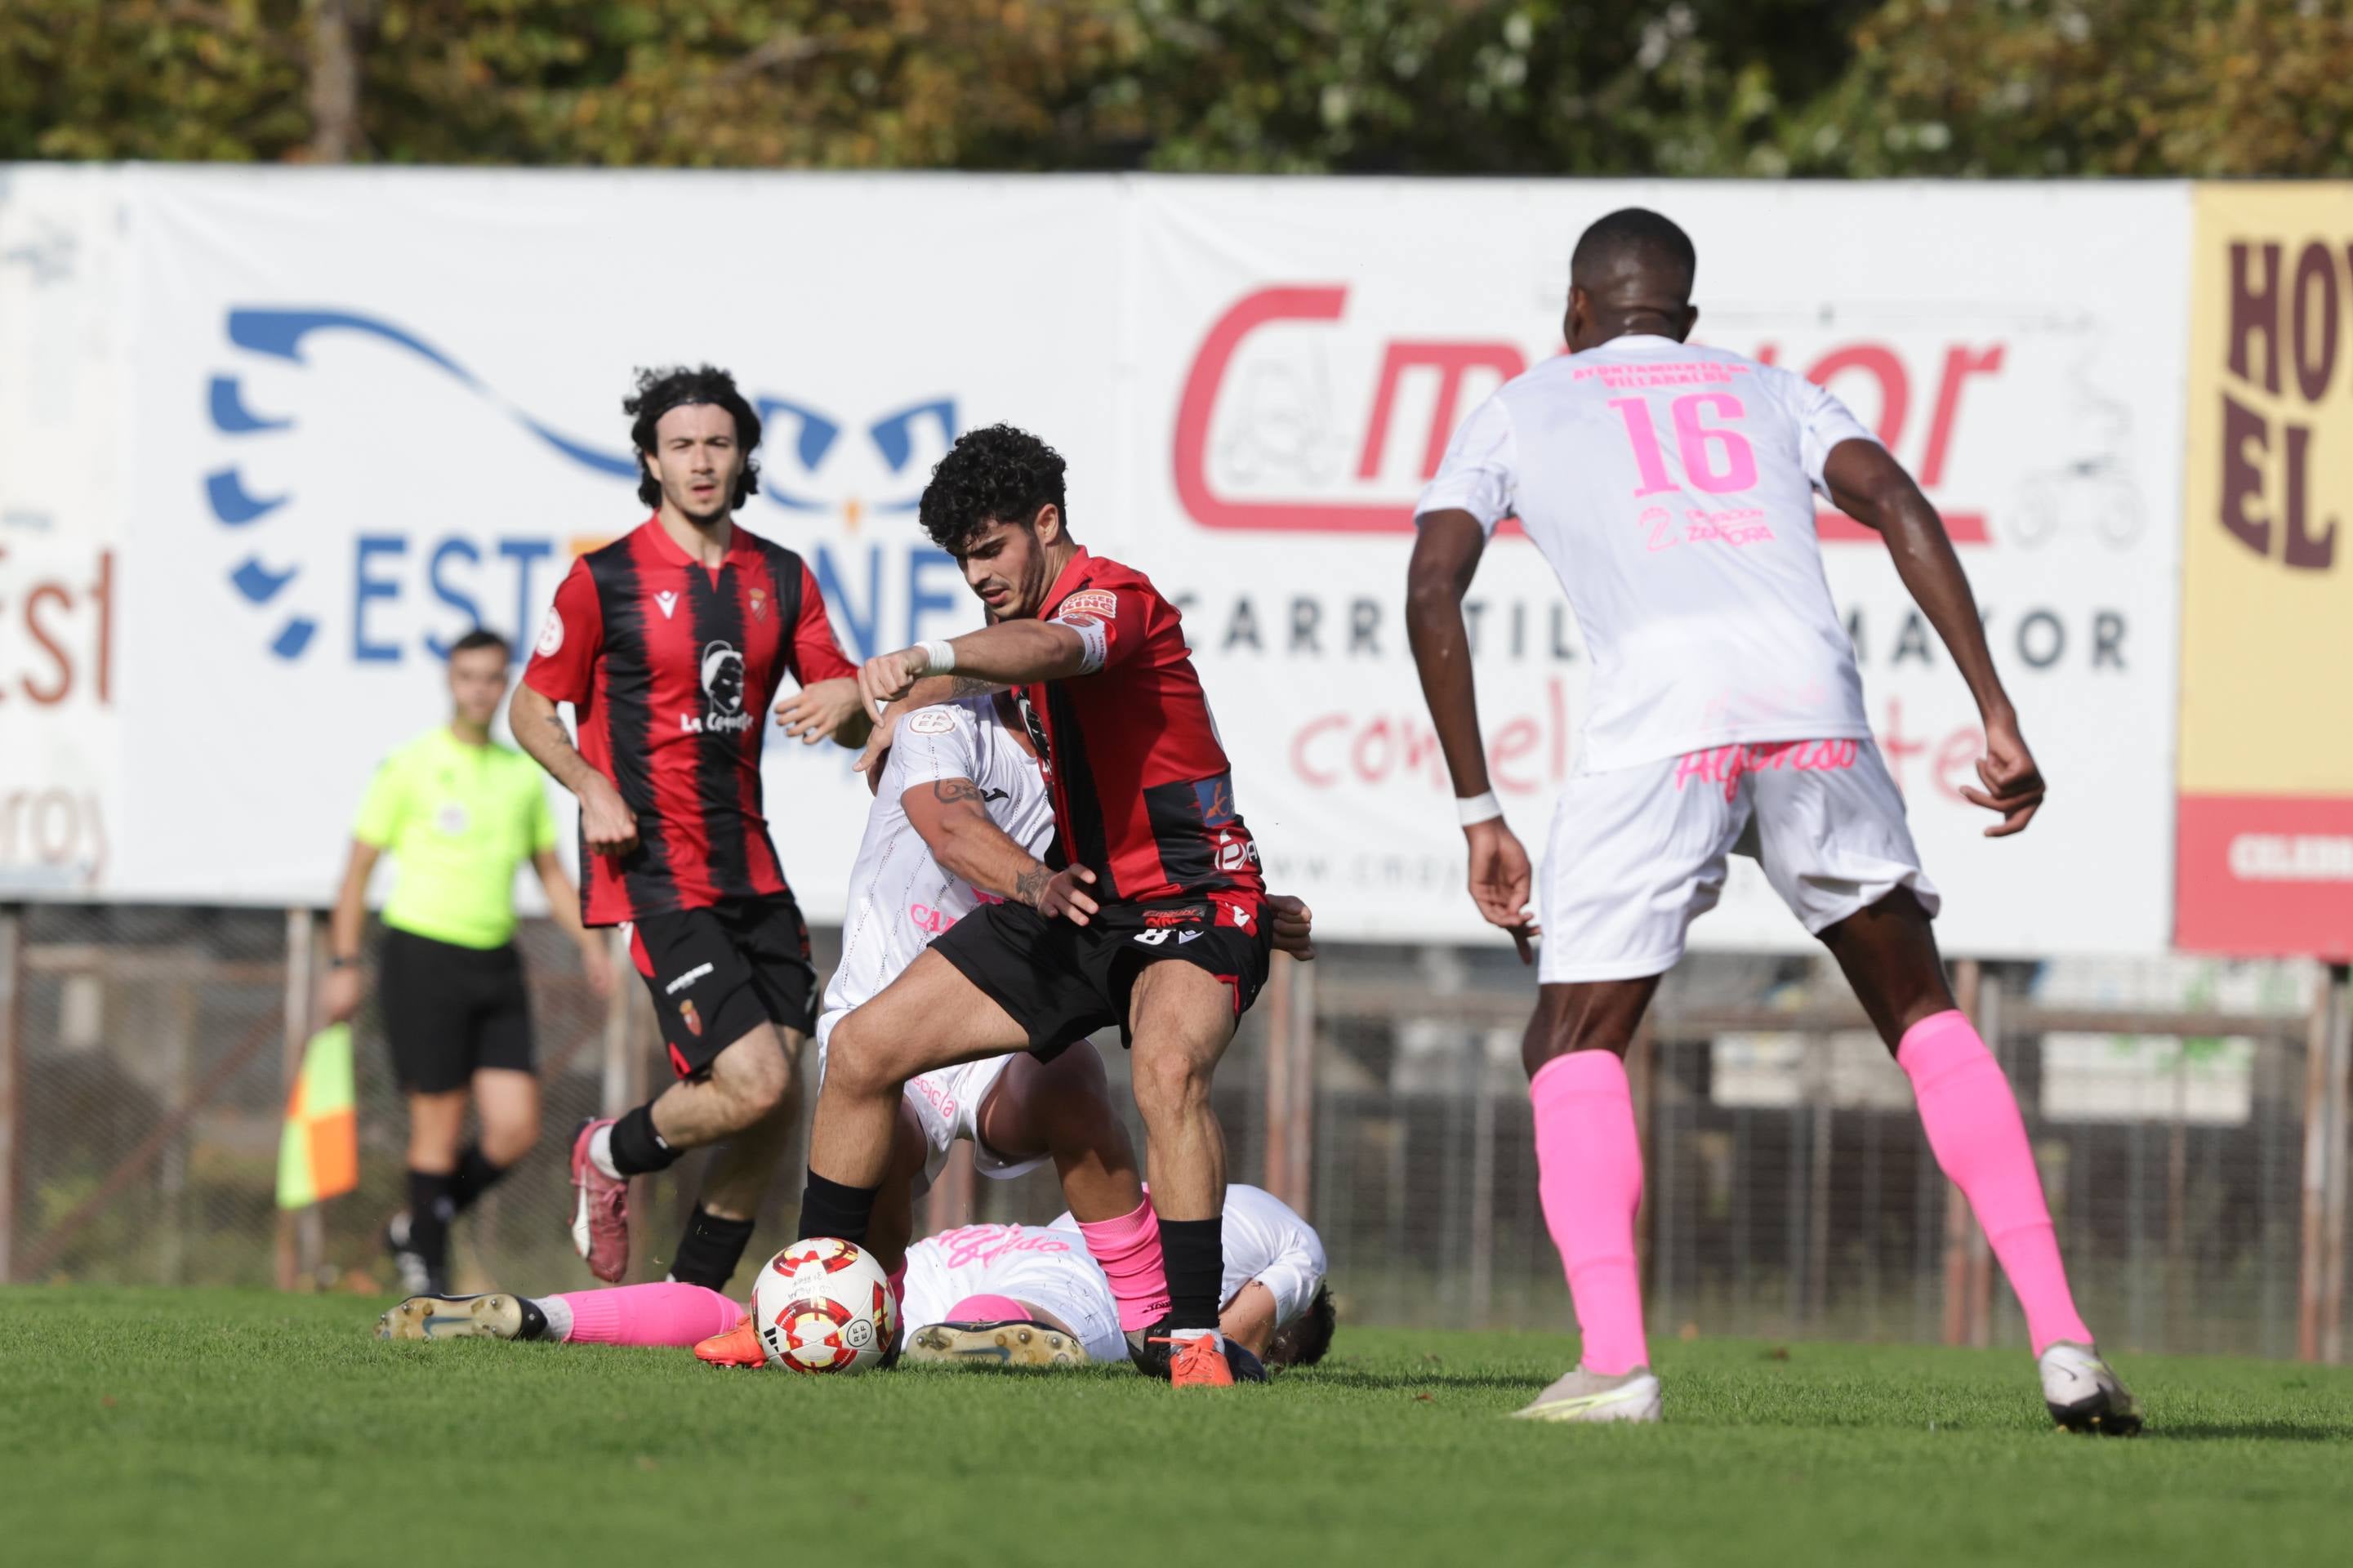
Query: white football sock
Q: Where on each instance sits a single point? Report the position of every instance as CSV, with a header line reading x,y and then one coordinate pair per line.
x,y
600,1151
558,1314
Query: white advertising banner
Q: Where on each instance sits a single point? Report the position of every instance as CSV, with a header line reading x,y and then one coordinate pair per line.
x,y
377,408
365,410
1303,353
62,449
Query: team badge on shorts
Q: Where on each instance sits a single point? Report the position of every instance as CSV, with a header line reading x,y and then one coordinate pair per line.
x,y
694,1019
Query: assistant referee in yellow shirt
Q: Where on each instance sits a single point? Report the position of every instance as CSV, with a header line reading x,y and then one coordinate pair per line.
x,y
459,814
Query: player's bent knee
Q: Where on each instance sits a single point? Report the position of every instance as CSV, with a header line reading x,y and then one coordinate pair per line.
x,y
755,1074
1170,1083
505,1142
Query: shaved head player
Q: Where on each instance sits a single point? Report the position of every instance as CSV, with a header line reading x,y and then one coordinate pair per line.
x,y
1671,488
669,643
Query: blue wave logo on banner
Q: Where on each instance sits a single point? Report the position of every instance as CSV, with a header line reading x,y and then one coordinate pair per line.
x,y
799,440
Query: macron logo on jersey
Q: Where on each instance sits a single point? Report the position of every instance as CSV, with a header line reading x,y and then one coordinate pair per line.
x,y
668,600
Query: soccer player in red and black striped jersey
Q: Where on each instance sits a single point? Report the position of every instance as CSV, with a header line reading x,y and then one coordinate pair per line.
x,y
670,643
1151,914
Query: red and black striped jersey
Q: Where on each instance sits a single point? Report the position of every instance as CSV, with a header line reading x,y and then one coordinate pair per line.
x,y
670,667
1143,797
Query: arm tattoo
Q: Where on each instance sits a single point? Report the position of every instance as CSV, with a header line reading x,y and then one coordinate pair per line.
x,y
950,792
1030,886
972,686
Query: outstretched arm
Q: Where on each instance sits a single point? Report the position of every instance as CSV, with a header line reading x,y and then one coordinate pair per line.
x,y
1445,557
1870,486
606,820
1011,653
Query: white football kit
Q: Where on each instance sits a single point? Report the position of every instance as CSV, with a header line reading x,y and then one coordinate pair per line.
x,y
901,897
1267,1243
1671,488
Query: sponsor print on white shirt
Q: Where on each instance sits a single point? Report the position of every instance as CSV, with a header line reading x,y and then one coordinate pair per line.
x,y
1673,488
900,898
1049,1268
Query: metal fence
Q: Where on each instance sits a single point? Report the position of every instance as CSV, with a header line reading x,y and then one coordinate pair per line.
x,y
2190,1118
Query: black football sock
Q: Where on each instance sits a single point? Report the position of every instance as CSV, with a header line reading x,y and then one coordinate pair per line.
x,y
1194,1253
828,1208
429,1211
709,1250
475,1176
637,1149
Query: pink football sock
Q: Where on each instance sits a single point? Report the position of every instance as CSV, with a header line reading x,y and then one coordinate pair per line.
x,y
988,1310
1128,1249
1980,1143
1589,1175
666,1314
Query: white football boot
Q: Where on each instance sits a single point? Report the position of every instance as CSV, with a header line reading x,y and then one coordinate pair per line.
x,y
496,1316
2084,1394
1016,1343
1583,1396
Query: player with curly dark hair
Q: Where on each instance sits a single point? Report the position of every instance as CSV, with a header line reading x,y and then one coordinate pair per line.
x,y
1151,915
669,643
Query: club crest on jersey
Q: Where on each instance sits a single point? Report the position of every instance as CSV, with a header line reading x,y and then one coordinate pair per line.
x,y
551,633
759,601
666,599
1216,798
722,689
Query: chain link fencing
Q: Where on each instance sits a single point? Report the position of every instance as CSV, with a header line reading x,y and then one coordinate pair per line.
x,y
2182,1112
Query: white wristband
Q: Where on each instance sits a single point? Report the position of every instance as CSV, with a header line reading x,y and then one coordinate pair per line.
x,y
1475,809
941,653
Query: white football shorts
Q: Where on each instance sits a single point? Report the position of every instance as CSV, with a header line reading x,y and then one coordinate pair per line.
x,y
946,1102
1638,853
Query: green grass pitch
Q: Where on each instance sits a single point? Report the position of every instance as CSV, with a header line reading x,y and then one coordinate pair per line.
x,y
195,1427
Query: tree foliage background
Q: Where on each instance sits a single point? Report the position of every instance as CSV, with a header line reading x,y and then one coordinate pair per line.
x,y
1552,87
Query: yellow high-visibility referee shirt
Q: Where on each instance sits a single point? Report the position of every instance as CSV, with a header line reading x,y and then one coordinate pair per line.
x,y
460,820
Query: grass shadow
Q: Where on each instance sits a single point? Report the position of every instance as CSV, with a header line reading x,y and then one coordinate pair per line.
x,y
1329,1375
2240,1431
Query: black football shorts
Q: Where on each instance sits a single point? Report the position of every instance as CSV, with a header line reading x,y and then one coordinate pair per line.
x,y
721,972
449,1010
1062,982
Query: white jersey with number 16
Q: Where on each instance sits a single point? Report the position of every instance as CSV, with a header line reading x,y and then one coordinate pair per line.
x,y
1672,489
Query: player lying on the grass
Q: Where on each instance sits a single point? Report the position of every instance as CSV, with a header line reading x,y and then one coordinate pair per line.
x,y
1154,917
959,820
1672,488
670,643
1028,1295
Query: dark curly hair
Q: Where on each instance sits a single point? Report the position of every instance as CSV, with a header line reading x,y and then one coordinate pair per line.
x,y
995,475
664,389
1302,1341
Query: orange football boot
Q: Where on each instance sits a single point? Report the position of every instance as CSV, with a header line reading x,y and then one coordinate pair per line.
x,y
1197,1361
739,1346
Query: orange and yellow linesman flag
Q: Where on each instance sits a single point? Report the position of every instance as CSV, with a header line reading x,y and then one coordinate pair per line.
x,y
319,1156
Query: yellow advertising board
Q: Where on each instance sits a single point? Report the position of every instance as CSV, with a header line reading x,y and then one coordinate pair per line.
x,y
2264,860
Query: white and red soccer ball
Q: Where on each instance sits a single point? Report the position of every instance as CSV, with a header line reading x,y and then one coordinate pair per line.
x,y
823,1305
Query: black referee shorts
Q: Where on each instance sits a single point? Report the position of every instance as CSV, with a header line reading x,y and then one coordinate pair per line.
x,y
449,1011
721,972
1062,982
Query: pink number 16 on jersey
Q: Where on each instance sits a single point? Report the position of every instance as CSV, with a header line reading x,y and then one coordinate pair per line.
x,y
1696,444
